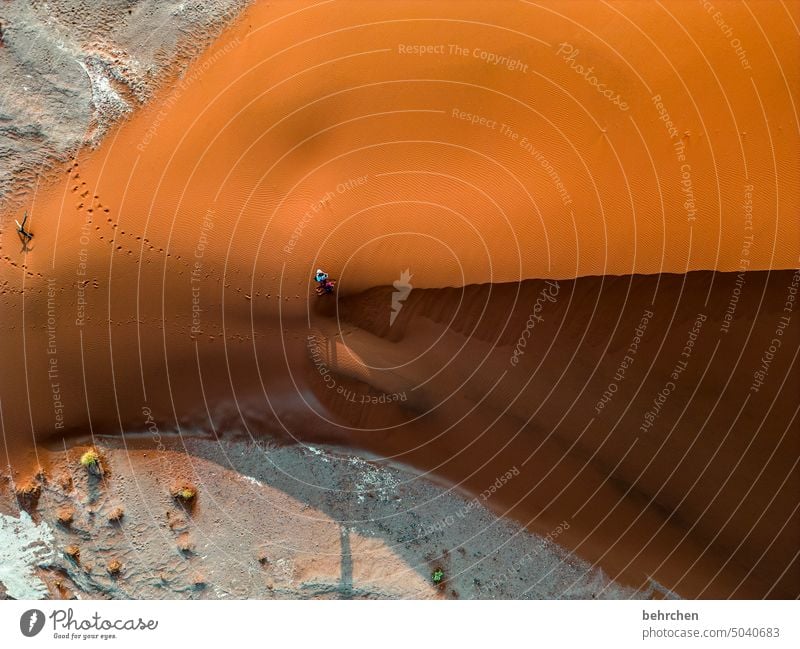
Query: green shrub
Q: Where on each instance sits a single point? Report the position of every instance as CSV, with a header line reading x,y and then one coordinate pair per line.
x,y
90,459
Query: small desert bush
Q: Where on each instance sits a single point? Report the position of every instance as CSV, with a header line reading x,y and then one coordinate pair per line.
x,y
29,489
185,544
90,460
66,515
28,495
73,552
185,492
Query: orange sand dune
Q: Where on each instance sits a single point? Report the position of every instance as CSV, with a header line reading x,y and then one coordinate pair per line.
x,y
413,146
468,142
631,408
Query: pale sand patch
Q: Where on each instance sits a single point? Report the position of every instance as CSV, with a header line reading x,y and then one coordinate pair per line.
x,y
24,546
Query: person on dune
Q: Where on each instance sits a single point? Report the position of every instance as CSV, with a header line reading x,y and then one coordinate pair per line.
x,y
326,287
24,234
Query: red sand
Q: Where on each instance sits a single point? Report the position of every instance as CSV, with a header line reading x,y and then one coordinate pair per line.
x,y
170,269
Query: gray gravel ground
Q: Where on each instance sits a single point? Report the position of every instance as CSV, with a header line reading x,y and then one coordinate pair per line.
x,y
273,522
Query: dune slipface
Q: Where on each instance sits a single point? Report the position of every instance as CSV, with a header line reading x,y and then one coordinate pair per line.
x,y
456,167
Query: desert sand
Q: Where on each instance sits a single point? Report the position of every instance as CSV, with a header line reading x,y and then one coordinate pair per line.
x,y
496,156
71,69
